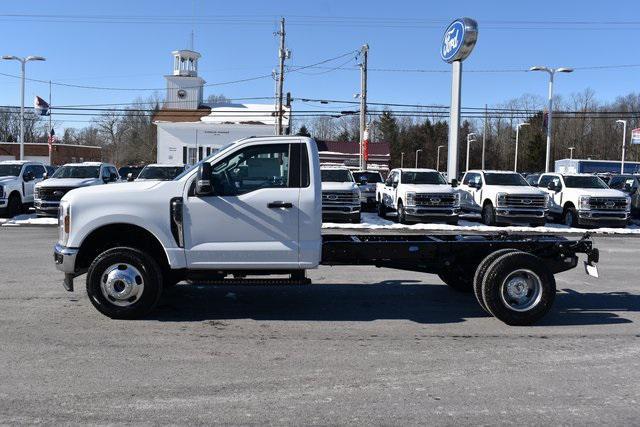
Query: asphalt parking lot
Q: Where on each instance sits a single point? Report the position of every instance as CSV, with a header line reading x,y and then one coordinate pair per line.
x,y
359,346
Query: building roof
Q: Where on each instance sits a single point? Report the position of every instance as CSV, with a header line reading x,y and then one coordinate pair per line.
x,y
176,115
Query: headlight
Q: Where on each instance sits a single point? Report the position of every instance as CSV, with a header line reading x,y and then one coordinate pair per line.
x,y
546,201
501,199
456,199
36,193
64,222
410,198
584,203
628,206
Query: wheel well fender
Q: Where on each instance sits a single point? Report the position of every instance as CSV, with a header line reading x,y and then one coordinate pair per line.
x,y
15,193
487,202
120,234
568,205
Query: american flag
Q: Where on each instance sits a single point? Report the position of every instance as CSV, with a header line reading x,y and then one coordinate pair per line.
x,y
52,137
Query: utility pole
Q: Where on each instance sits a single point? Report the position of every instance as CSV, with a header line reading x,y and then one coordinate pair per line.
x,y
402,159
364,51
484,134
50,137
282,55
624,140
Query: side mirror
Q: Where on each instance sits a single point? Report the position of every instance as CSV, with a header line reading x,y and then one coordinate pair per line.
x,y
203,180
130,177
45,176
394,184
454,182
552,186
627,188
28,176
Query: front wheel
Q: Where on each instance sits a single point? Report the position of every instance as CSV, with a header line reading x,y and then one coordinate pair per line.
x,y
402,214
14,205
382,210
488,214
124,283
570,217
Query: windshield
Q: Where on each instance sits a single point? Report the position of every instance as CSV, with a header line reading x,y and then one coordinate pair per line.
x,y
370,177
584,182
10,170
336,175
505,179
163,173
77,172
422,178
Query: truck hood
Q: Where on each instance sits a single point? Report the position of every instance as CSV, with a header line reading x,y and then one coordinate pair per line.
x,y
428,188
111,192
339,186
68,182
7,179
597,192
516,189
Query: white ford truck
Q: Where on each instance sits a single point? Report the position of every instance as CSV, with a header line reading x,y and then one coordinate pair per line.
x,y
503,197
418,195
583,199
340,195
254,208
17,179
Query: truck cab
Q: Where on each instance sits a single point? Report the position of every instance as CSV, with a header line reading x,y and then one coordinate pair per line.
x,y
420,195
340,195
585,200
17,181
630,185
503,197
68,177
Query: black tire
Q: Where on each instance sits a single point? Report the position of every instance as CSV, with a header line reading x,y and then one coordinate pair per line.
x,y
172,278
14,205
355,219
495,296
478,277
148,274
402,215
570,217
488,214
458,279
382,210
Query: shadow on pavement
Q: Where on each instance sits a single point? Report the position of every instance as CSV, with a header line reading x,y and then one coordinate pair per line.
x,y
393,299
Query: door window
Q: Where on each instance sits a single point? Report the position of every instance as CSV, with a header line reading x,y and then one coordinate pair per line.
x,y
252,168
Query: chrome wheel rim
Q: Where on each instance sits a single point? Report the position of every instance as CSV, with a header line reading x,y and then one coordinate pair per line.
x,y
122,284
521,290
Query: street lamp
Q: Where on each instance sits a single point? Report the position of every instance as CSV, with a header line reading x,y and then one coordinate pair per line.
x,y
417,151
624,140
402,159
571,152
470,138
438,158
515,162
551,72
23,61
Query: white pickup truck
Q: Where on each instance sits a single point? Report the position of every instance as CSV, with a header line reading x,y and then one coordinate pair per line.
x,y
17,179
340,195
254,208
503,197
583,199
418,195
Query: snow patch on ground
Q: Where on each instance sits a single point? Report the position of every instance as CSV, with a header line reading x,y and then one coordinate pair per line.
x,y
27,219
371,221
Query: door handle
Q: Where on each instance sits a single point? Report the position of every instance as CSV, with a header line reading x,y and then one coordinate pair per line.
x,y
277,205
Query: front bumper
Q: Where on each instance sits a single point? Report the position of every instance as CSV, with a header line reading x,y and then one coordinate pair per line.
x,y
507,215
368,198
603,218
65,260
429,212
46,208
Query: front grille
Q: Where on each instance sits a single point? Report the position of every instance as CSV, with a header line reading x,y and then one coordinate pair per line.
x,y
51,194
339,197
434,199
524,201
608,203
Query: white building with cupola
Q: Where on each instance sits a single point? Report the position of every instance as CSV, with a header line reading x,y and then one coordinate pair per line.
x,y
188,129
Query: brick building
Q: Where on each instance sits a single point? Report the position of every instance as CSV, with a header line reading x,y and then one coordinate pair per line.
x,y
62,153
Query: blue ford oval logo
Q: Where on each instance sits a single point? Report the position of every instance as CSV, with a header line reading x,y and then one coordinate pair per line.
x,y
459,39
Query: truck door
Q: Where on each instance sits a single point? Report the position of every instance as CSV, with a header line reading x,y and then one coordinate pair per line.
x,y
555,197
253,215
471,196
31,175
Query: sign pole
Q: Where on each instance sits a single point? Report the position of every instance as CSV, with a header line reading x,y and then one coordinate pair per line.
x,y
454,120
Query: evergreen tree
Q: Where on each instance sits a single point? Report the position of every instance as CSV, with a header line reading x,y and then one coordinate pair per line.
x,y
303,131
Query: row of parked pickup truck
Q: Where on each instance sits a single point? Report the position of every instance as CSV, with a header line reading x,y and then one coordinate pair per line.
x,y
500,197
25,183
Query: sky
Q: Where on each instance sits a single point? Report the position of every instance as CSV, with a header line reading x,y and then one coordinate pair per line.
x,y
127,45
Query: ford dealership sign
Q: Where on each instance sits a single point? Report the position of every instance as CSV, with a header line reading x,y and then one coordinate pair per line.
x,y
459,39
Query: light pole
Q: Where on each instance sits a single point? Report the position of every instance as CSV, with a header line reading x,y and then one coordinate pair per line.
x,y
470,138
402,159
417,151
23,61
624,141
515,162
551,72
571,152
438,158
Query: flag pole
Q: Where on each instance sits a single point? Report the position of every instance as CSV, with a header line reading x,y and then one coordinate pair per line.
x,y
50,137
